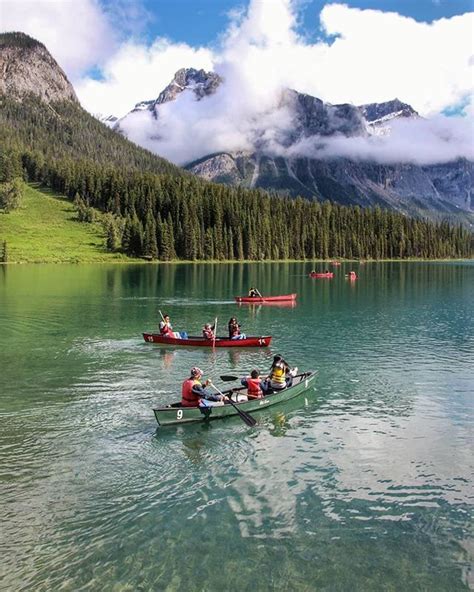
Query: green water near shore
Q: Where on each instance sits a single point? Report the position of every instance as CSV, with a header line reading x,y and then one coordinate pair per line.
x,y
364,483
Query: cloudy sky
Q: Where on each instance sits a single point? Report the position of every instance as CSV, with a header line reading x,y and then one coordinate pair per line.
x,y
120,52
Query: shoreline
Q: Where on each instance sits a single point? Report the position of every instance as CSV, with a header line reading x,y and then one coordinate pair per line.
x,y
130,261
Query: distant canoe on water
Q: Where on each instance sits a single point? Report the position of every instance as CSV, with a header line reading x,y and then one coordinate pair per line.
x,y
263,341
176,414
328,275
265,299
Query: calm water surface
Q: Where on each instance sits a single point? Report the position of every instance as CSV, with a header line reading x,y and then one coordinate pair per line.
x,y
364,483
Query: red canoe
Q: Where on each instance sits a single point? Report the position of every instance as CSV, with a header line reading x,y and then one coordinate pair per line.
x,y
201,342
264,299
322,275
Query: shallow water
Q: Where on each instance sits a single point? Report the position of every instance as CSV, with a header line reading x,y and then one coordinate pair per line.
x,y
364,483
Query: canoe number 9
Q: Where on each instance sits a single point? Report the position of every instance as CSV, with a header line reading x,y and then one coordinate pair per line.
x,y
179,414
150,338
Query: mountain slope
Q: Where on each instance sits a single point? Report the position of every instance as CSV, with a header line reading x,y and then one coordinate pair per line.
x,y
27,67
40,113
290,163
45,229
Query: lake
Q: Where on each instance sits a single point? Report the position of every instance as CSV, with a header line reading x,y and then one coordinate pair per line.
x,y
362,483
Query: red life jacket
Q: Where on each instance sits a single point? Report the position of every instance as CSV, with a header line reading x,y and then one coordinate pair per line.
x,y
188,398
166,330
253,387
208,333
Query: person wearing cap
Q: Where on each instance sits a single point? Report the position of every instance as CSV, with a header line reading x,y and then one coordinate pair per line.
x,y
193,391
208,331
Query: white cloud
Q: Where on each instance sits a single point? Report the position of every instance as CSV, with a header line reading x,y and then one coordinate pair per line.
x,y
421,141
379,55
76,32
376,57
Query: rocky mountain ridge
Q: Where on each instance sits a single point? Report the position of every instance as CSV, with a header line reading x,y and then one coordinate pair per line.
x,y
27,67
442,188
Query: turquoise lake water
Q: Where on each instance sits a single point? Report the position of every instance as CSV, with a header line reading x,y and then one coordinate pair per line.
x,y
363,483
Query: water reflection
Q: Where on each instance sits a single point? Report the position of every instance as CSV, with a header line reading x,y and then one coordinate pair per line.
x,y
363,483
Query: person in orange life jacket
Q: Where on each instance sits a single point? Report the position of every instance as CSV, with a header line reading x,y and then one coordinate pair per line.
x,y
254,385
234,330
208,331
193,392
280,375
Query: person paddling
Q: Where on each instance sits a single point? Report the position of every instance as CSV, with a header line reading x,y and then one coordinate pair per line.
x,y
165,327
167,330
254,385
254,293
193,393
208,331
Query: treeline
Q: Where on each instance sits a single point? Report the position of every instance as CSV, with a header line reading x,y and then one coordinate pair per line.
x,y
157,211
64,129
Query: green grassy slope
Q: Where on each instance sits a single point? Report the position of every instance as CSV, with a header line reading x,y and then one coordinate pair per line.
x,y
45,229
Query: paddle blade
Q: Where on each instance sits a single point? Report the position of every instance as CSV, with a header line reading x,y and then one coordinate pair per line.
x,y
249,420
228,378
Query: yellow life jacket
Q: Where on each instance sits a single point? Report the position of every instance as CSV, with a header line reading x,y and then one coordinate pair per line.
x,y
278,375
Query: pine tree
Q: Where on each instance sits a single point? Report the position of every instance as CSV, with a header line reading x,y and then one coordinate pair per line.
x,y
150,247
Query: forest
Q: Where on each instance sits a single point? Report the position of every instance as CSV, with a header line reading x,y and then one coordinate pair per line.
x,y
157,211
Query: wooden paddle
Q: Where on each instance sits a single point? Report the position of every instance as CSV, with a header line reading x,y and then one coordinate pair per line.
x,y
215,333
228,377
248,419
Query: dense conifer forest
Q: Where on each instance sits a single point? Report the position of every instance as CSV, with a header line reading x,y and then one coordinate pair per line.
x,y
157,211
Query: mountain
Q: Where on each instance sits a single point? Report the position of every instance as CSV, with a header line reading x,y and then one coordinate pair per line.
x,y
152,209
27,67
40,113
289,165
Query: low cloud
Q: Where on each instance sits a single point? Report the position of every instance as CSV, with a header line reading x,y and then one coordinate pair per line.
x,y
372,56
420,141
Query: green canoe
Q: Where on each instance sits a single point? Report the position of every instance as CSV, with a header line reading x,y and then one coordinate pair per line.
x,y
174,414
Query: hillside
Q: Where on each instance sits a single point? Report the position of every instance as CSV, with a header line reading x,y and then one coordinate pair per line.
x,y
45,229
158,211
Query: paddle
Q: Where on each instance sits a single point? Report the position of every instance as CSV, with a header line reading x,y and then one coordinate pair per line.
x,y
228,378
215,333
258,293
248,419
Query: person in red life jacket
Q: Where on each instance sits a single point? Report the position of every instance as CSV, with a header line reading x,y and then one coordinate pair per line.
x,y
208,331
165,327
167,330
254,385
193,391
234,330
